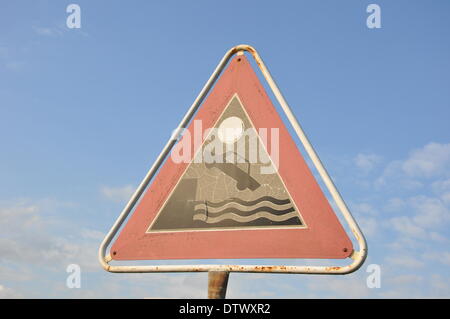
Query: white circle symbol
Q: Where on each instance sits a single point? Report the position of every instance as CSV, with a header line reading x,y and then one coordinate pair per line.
x,y
230,130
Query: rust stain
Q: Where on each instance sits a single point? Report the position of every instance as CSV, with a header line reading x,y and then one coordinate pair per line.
x,y
269,268
250,50
332,268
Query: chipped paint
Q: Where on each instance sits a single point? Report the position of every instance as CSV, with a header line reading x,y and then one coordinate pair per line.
x,y
358,256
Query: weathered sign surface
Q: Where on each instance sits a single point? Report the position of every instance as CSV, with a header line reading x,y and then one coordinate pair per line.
x,y
234,186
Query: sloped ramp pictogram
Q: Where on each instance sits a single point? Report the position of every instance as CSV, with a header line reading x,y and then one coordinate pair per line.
x,y
230,193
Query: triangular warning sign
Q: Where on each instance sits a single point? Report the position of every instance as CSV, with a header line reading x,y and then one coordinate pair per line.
x,y
234,186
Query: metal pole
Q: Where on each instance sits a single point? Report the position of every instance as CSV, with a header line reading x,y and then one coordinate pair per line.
x,y
217,284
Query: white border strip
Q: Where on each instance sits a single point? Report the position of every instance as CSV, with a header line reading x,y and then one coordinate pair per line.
x,y
357,256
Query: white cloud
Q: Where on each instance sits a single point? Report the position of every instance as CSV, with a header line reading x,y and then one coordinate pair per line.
x,y
25,215
399,284
185,286
441,186
405,279
366,162
438,237
421,218
430,212
418,220
46,31
440,286
8,293
395,204
364,209
440,257
369,225
352,286
29,237
18,273
118,194
366,215
404,261
406,227
403,243
446,198
394,177
173,285
92,234
431,160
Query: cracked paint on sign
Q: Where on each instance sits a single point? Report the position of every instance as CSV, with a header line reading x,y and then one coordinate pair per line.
x,y
233,193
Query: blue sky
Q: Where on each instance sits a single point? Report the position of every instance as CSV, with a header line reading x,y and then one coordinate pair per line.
x,y
84,113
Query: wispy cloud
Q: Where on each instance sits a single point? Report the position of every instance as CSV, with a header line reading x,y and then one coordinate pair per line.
x,y
431,160
366,162
405,261
14,65
440,257
342,287
408,208
405,225
47,31
413,172
9,293
32,241
117,194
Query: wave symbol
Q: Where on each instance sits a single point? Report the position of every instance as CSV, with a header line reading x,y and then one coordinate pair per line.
x,y
240,211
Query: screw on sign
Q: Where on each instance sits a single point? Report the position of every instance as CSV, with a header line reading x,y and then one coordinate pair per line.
x,y
232,184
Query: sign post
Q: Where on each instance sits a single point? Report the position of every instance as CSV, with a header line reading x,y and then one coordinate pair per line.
x,y
232,184
217,284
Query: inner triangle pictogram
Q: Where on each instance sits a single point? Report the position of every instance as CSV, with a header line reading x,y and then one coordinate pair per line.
x,y
239,188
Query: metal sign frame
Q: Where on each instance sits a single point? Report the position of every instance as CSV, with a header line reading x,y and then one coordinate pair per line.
x,y
358,257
